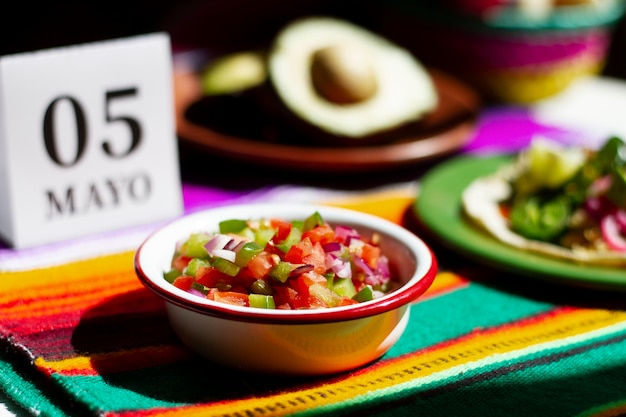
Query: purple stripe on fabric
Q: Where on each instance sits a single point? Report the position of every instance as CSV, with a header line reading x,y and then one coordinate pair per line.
x,y
198,196
510,129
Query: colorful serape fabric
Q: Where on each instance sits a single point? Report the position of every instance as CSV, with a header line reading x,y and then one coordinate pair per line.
x,y
83,337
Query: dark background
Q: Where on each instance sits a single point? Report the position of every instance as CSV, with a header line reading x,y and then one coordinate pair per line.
x,y
28,25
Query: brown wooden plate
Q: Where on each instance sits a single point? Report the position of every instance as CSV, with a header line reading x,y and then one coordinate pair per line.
x,y
441,132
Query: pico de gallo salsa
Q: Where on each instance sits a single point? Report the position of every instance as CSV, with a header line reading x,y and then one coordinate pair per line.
x,y
280,264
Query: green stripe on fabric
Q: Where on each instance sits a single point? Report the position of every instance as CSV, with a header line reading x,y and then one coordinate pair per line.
x,y
523,386
461,312
25,393
432,321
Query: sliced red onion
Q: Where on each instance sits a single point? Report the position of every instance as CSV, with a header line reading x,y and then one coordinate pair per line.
x,y
234,242
363,266
217,242
301,269
601,185
611,233
593,207
620,218
229,255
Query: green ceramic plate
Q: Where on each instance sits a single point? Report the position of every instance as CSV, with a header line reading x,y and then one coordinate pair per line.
x,y
439,209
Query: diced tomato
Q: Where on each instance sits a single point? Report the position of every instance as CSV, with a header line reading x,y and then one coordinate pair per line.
x,y
310,301
283,228
284,295
320,234
211,293
239,288
317,258
183,282
181,262
304,282
298,251
244,278
211,277
370,254
231,297
345,301
305,252
260,265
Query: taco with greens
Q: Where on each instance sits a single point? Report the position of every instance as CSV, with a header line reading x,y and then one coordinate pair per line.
x,y
563,202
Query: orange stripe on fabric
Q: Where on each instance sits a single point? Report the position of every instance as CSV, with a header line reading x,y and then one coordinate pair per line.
x,y
72,286
113,362
386,374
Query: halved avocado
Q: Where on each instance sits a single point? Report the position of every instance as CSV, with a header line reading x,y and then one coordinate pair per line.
x,y
234,73
347,81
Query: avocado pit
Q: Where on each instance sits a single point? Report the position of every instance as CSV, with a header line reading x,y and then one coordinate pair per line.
x,y
343,74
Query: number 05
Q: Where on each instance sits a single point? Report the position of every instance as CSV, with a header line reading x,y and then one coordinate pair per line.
x,y
50,139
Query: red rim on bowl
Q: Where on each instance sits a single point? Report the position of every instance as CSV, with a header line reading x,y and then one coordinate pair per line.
x,y
152,257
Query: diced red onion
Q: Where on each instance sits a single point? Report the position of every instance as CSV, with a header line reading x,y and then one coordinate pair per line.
x,y
340,267
196,292
611,233
355,244
332,247
383,267
346,234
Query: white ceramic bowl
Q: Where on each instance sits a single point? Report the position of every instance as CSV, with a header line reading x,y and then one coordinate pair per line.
x,y
299,342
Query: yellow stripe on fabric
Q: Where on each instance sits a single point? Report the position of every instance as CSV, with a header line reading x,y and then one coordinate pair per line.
x,y
112,362
389,204
421,365
65,273
72,286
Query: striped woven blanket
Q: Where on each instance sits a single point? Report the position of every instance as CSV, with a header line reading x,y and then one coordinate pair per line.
x,y
81,336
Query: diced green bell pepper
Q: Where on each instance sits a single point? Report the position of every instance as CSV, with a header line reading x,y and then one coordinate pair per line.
x,y
294,237
247,252
171,275
281,271
366,294
261,301
344,287
226,266
313,221
199,287
263,236
194,264
194,246
261,287
232,226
